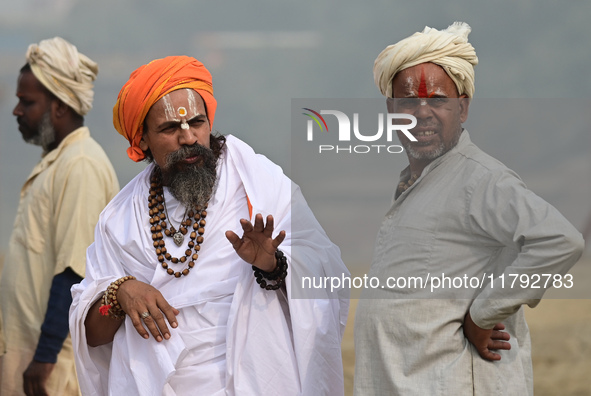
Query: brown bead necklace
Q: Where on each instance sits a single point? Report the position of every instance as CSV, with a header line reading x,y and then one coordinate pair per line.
x,y
159,228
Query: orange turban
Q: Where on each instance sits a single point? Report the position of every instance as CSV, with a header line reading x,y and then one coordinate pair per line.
x,y
151,82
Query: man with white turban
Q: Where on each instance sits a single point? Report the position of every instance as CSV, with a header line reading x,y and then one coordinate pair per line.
x,y
59,206
458,212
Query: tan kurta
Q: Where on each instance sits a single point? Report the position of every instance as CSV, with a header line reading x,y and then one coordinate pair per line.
x,y
467,215
59,206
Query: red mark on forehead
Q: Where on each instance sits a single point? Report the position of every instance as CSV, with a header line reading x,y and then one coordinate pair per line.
x,y
423,85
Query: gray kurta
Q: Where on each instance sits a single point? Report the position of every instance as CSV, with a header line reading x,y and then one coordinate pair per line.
x,y
466,215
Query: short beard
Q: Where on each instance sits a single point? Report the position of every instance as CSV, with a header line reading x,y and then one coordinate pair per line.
x,y
437,152
423,155
45,136
190,184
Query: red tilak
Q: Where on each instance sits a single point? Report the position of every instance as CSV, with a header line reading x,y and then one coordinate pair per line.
x,y
423,85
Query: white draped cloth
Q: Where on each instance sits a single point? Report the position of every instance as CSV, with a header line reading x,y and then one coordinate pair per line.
x,y
233,338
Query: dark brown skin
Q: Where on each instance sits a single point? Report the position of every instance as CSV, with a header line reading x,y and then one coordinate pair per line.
x,y
35,377
256,246
429,81
34,101
486,340
135,297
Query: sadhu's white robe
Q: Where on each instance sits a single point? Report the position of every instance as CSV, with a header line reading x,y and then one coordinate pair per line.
x,y
233,338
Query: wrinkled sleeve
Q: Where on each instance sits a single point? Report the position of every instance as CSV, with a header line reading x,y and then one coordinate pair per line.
x,y
502,210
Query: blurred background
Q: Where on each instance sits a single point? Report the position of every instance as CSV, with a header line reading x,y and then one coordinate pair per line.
x,y
263,53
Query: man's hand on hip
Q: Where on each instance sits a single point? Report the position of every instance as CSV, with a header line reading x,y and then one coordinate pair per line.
x,y
486,340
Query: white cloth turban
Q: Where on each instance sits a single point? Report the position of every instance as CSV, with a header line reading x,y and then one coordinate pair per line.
x,y
447,48
64,71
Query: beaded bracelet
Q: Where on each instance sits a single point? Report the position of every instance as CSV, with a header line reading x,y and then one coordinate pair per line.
x,y
278,274
110,306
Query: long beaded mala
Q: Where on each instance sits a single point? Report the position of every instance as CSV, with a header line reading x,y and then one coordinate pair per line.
x,y
159,228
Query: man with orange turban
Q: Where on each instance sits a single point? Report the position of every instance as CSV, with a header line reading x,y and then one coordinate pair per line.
x,y
175,302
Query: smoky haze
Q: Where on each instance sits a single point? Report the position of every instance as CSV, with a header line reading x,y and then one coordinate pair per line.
x,y
263,54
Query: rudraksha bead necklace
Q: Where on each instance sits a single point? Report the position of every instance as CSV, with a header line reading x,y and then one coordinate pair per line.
x,y
159,228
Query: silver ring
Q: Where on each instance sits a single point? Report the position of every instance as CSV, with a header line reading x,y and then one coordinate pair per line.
x,y
145,315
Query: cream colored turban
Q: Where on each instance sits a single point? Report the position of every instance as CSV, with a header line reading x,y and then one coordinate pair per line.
x,y
447,48
64,71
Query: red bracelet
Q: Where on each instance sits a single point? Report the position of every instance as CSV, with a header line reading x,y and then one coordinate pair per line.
x,y
110,306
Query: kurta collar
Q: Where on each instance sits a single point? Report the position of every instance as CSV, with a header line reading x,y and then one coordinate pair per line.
x,y
50,157
462,143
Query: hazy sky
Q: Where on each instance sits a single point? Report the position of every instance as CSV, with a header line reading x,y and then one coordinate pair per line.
x,y
263,54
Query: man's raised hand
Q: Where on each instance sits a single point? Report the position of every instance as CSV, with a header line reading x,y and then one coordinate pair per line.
x,y
257,246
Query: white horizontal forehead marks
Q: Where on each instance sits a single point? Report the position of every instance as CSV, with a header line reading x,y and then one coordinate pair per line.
x,y
180,105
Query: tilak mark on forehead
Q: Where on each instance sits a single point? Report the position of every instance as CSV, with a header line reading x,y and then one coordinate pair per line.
x,y
181,111
423,86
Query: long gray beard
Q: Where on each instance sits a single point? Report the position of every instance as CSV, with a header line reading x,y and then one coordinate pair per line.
x,y
46,133
191,184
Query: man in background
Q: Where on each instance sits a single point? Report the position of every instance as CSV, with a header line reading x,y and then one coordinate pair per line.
x,y
59,206
459,212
